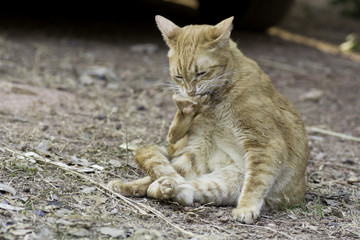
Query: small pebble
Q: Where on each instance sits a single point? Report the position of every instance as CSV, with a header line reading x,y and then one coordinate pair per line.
x,y
141,108
224,219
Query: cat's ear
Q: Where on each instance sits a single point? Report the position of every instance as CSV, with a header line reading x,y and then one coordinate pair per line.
x,y
222,31
167,28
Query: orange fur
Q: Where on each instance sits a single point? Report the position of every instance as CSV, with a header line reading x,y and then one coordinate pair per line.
x,y
234,139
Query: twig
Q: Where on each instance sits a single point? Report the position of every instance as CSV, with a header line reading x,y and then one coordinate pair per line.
x,y
218,227
138,206
333,164
267,228
332,133
283,66
312,42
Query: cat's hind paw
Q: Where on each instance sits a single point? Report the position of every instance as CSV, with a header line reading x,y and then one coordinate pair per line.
x,y
172,188
168,187
163,188
246,215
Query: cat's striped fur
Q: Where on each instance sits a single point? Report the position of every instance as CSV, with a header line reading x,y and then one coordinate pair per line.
x,y
234,139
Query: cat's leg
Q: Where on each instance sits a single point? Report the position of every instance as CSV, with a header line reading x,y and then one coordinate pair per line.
x,y
261,173
188,109
137,188
221,187
154,162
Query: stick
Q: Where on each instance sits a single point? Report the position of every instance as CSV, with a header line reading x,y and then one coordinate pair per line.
x,y
332,133
125,200
267,228
312,42
333,164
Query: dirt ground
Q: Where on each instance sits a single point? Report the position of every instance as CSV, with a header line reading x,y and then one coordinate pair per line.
x,y
85,94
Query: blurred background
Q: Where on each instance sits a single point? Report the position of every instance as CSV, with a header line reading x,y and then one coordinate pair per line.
x,y
86,83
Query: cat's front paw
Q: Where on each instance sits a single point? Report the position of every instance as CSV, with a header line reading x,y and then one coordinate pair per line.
x,y
127,189
191,106
246,215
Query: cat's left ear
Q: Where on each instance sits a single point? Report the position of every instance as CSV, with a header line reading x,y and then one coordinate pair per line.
x,y
167,28
222,31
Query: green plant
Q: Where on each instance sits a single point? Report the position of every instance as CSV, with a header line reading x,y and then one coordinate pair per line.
x,y
348,7
318,207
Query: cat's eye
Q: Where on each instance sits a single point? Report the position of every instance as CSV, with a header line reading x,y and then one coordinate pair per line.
x,y
178,77
199,74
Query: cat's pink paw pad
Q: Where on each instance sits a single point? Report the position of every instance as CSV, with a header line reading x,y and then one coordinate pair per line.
x,y
246,215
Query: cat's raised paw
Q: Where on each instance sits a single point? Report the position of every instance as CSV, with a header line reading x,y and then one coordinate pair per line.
x,y
246,215
191,106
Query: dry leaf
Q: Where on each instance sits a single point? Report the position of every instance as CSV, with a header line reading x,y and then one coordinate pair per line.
x,y
20,232
88,189
98,167
113,232
10,207
131,147
7,188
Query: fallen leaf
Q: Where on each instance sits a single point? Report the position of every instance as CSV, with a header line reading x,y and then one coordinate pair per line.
x,y
85,170
55,203
79,232
7,188
88,189
97,167
146,234
115,163
224,219
353,179
64,222
32,154
113,232
9,207
331,202
313,95
130,147
20,232
23,199
80,161
312,227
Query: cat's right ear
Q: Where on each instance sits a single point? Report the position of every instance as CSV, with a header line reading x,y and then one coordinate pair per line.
x,y
167,28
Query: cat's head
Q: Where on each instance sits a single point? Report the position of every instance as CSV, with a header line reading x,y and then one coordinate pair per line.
x,y
198,55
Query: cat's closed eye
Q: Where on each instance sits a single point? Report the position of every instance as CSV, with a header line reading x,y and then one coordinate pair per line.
x,y
199,74
178,77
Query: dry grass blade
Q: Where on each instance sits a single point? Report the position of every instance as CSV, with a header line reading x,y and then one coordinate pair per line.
x,y
270,229
135,205
332,133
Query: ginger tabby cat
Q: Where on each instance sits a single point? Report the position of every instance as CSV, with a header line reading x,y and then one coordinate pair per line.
x,y
234,139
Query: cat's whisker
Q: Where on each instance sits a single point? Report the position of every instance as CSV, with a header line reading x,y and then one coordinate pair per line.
x,y
168,86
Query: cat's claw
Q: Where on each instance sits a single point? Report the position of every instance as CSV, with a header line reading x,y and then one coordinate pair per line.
x,y
246,215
